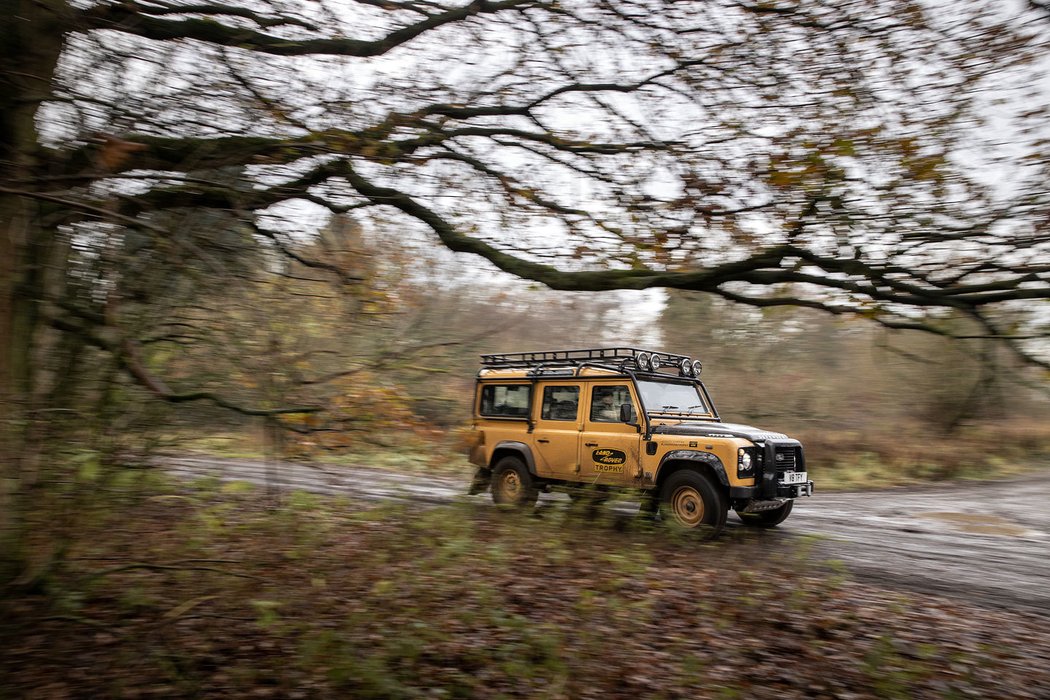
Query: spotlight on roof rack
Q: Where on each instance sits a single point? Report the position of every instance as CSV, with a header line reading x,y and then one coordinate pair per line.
x,y
643,361
698,367
685,367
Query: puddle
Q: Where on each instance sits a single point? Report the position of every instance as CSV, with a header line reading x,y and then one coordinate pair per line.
x,y
978,523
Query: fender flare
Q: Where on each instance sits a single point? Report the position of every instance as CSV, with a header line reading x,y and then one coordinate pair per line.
x,y
518,447
695,456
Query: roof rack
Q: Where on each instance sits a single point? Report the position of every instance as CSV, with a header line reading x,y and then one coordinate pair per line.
x,y
645,360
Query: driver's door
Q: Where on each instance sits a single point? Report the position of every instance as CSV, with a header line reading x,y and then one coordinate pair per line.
x,y
610,450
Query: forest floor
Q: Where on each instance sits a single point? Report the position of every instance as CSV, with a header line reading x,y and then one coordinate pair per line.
x,y
208,588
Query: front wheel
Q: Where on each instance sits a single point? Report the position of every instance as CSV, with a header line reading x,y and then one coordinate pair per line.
x,y
512,484
767,518
689,501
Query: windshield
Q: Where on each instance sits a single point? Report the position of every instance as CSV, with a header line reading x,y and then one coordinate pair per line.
x,y
670,397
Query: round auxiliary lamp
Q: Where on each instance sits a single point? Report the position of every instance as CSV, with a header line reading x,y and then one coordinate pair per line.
x,y
643,362
690,368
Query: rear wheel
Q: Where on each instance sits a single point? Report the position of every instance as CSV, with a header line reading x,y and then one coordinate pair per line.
x,y
767,518
512,484
691,502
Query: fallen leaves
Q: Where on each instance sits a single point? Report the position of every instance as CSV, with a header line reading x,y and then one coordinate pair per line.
x,y
470,601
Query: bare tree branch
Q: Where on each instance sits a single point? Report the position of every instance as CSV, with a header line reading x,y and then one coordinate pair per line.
x,y
137,19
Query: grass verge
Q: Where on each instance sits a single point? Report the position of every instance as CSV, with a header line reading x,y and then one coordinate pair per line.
x,y
852,460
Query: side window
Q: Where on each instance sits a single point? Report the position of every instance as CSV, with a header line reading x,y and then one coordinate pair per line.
x,y
506,400
606,400
560,402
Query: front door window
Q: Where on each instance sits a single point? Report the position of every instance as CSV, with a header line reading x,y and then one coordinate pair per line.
x,y
606,402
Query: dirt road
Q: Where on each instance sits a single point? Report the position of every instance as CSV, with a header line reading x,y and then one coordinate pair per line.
x,y
985,542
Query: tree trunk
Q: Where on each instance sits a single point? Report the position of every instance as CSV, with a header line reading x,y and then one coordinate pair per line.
x,y
33,32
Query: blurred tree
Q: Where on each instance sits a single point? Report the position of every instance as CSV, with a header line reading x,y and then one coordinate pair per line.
x,y
799,370
843,156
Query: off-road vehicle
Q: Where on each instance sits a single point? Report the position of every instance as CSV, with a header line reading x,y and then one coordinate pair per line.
x,y
595,420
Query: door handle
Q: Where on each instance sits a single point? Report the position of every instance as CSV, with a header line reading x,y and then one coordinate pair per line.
x,y
590,444
543,440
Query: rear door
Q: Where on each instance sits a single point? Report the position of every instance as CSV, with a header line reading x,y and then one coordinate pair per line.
x,y
557,430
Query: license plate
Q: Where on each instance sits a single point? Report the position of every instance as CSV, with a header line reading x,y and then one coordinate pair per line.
x,y
794,478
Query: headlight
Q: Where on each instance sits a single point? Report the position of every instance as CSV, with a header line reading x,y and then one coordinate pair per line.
x,y
745,462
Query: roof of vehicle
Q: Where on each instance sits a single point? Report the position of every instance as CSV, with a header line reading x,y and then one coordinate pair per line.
x,y
552,372
586,362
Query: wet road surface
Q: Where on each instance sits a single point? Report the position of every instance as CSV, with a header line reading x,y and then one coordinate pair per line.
x,y
988,542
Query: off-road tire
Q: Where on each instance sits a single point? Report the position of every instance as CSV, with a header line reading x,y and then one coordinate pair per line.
x,y
512,484
691,502
767,518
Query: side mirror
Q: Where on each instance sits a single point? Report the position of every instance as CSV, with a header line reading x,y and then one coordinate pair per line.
x,y
627,414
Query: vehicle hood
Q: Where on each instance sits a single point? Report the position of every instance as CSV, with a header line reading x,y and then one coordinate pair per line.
x,y
712,429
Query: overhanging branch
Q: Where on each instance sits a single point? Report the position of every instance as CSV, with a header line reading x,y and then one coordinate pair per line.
x,y
132,18
126,352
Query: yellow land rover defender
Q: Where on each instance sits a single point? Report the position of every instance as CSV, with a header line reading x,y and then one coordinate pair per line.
x,y
594,420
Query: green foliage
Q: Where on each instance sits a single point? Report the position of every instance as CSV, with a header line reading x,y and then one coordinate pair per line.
x,y
267,611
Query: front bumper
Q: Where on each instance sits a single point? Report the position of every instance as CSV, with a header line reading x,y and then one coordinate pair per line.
x,y
747,493
801,490
779,456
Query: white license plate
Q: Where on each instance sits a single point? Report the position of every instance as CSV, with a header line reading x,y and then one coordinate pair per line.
x,y
794,478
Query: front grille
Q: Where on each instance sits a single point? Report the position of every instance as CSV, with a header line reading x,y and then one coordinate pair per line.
x,y
785,459
777,458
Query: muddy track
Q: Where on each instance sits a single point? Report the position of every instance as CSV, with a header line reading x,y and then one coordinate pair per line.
x,y
986,542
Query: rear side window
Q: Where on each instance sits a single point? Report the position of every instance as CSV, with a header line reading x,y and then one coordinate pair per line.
x,y
560,402
506,400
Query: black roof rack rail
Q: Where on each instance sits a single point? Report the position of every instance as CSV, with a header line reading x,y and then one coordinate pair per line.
x,y
613,355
